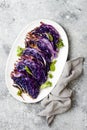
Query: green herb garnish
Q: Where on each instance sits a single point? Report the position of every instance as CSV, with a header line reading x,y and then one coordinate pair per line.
x,y
20,51
28,70
46,84
50,76
52,65
60,44
50,37
19,92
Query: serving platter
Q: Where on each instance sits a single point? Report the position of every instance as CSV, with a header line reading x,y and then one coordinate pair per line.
x,y
61,59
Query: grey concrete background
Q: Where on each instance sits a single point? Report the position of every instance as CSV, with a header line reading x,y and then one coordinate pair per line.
x,y
72,15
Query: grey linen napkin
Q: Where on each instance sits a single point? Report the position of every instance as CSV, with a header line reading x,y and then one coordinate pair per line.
x,y
59,100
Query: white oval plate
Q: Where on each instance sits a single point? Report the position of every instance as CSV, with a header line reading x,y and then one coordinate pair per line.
x,y
62,56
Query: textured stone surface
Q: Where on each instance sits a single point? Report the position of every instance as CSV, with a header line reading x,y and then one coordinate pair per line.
x,y
72,15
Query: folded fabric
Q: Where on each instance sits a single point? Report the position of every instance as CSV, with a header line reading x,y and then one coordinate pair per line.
x,y
59,100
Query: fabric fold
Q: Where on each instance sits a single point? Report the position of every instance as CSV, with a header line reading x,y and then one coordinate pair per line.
x,y
59,100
